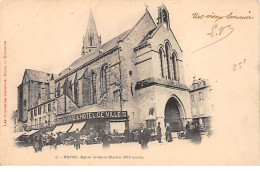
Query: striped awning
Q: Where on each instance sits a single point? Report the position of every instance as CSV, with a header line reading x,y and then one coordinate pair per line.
x,y
78,126
62,128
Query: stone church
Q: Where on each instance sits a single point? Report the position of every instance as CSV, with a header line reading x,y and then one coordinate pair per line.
x,y
136,77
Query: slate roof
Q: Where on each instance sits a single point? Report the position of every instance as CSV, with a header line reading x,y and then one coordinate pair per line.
x,y
149,35
40,76
90,56
74,67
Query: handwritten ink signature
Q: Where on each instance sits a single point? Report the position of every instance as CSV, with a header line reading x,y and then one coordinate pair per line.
x,y
218,32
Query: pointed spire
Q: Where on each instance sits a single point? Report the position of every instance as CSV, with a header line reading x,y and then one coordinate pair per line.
x,y
91,22
91,40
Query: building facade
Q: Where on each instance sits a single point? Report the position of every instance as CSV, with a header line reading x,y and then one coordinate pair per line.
x,y
18,126
136,77
202,104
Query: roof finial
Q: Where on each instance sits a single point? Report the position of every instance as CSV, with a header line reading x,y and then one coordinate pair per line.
x,y
194,79
146,7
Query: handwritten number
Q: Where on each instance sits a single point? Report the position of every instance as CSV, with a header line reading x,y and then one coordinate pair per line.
x,y
239,65
234,67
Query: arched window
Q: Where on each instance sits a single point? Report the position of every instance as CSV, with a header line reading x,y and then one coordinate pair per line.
x,y
65,86
165,16
175,67
93,88
90,40
104,79
76,90
58,90
69,91
161,61
167,52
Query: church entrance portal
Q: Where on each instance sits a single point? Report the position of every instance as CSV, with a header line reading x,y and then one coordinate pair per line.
x,y
172,114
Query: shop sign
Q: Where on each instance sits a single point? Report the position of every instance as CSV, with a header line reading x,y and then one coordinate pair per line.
x,y
95,115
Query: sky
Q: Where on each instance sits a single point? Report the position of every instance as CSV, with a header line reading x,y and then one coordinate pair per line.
x,y
47,35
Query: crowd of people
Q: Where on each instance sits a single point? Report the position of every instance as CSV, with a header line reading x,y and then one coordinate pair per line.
x,y
143,136
39,140
192,132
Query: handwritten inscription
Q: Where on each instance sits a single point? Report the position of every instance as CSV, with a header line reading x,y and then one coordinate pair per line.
x,y
218,32
239,65
230,16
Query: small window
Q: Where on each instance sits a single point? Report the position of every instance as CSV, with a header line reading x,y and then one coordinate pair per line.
x,y
192,98
151,111
49,107
35,111
39,110
44,109
201,96
116,95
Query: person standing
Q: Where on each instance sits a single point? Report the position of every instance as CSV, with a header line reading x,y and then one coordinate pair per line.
x,y
77,137
144,137
196,136
168,133
52,141
35,143
159,133
55,137
40,142
127,135
188,130
105,138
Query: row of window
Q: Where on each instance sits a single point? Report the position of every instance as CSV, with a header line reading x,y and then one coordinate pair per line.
x,y
41,120
90,81
201,97
168,63
41,109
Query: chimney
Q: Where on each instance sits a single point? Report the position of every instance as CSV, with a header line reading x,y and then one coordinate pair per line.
x,y
52,87
195,83
43,95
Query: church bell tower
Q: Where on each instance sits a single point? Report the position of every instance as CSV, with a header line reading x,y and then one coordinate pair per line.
x,y
163,16
91,40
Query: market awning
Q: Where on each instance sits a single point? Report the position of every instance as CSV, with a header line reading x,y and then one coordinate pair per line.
x,y
31,132
79,125
62,128
17,135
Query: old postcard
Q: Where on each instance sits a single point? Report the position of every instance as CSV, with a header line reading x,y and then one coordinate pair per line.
x,y
113,82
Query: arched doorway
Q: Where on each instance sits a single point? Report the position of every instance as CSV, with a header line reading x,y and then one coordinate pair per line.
x,y
172,114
